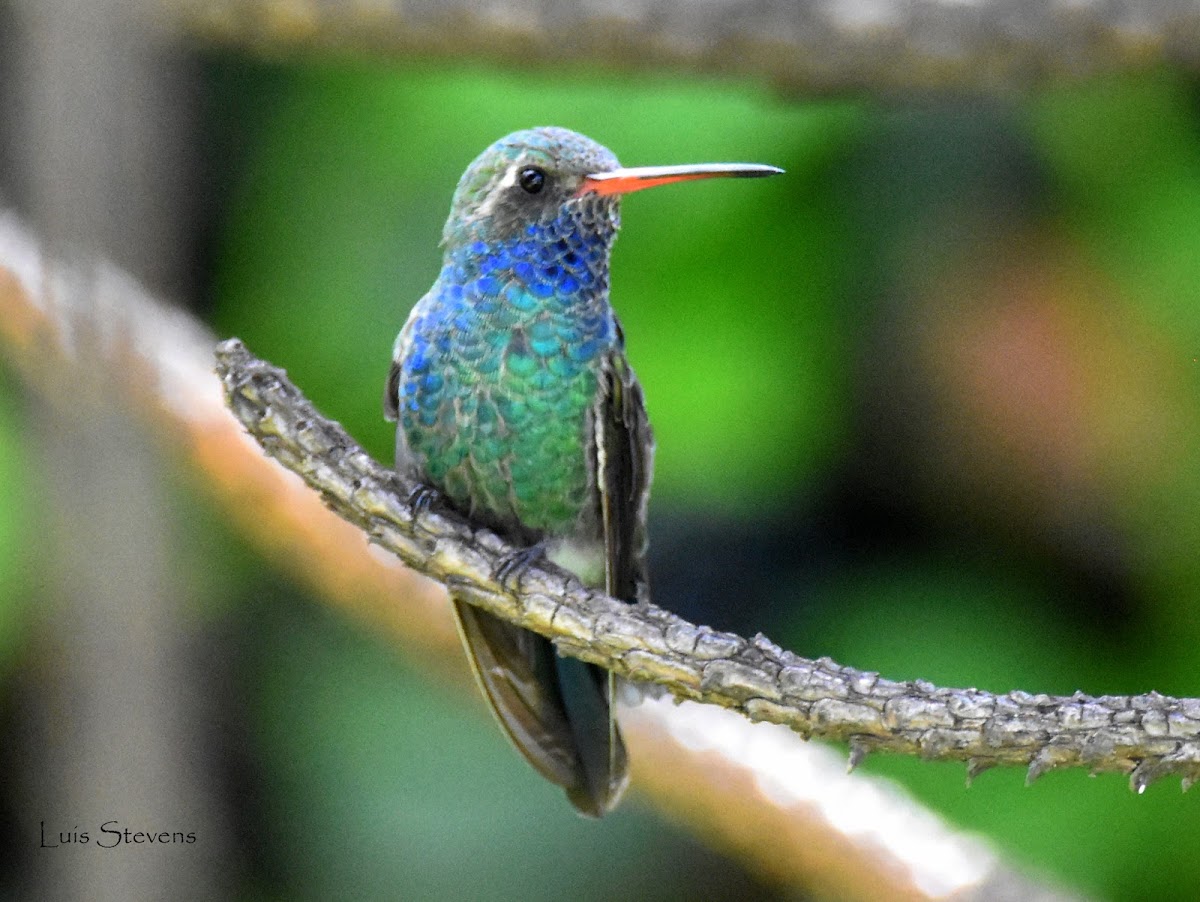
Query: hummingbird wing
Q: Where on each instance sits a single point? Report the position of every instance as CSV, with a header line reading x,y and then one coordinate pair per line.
x,y
391,393
624,466
391,388
622,450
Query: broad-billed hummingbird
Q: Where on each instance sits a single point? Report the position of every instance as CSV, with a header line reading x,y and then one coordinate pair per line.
x,y
515,401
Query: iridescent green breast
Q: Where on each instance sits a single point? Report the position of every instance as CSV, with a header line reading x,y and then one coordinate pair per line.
x,y
509,443
498,378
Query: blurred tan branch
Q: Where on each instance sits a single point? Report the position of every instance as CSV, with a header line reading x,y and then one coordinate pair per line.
x,y
803,46
754,789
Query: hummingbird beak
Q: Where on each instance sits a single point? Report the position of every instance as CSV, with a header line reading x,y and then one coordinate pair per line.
x,y
636,178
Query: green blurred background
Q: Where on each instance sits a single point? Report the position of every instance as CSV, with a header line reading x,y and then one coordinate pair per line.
x,y
927,404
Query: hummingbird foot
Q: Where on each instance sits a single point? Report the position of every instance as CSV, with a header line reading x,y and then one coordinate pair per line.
x,y
512,566
422,498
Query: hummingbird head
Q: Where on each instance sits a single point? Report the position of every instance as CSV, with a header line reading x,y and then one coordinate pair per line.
x,y
531,177
545,175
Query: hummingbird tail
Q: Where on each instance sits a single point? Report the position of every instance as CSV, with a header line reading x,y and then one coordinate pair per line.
x,y
557,711
587,696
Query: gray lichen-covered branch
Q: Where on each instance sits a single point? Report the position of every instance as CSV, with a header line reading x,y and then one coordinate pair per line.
x,y
1146,736
807,45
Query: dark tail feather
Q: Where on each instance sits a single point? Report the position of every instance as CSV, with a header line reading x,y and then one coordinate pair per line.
x,y
587,694
557,711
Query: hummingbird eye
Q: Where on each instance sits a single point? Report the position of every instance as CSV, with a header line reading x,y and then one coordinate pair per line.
x,y
531,179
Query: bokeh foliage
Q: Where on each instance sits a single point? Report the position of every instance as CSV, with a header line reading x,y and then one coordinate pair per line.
x,y
17,556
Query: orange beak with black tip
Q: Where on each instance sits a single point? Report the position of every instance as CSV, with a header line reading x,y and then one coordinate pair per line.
x,y
637,178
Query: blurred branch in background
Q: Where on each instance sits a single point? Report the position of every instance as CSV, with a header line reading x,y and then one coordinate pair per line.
x,y
160,360
753,789
798,46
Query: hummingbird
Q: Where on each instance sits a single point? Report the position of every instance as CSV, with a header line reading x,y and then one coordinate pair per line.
x,y
515,402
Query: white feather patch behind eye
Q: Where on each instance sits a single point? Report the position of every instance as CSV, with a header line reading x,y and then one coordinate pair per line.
x,y
510,178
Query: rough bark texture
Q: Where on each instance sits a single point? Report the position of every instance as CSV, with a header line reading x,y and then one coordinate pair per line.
x,y
1146,736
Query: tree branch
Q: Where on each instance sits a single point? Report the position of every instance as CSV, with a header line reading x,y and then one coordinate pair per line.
x,y
1146,736
805,46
